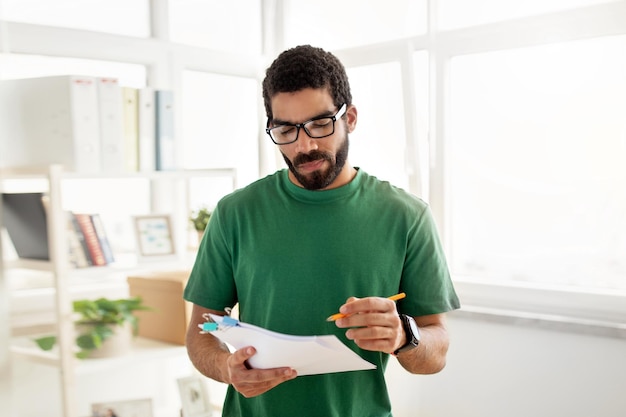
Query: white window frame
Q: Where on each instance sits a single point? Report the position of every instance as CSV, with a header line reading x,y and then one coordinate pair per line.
x,y
166,61
604,308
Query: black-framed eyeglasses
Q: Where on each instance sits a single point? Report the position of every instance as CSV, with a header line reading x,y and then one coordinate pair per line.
x,y
316,128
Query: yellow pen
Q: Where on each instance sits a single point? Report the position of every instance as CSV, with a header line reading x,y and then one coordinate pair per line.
x,y
341,315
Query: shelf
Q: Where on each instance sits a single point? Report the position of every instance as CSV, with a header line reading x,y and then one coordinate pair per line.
x,y
36,173
34,355
142,349
40,293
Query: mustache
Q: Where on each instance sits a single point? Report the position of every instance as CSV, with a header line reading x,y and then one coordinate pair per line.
x,y
310,157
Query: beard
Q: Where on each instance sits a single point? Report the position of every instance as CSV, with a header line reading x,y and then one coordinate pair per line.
x,y
320,179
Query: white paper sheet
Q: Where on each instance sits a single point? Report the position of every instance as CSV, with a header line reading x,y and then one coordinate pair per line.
x,y
308,355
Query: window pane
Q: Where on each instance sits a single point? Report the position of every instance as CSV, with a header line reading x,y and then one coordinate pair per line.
x,y
233,25
378,142
13,66
334,24
461,13
122,17
536,164
422,121
221,123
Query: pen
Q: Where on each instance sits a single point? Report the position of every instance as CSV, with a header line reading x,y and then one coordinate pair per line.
x,y
341,315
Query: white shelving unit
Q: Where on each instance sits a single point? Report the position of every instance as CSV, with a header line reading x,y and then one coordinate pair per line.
x,y
60,272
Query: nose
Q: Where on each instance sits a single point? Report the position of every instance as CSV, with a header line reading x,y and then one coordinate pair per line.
x,y
305,143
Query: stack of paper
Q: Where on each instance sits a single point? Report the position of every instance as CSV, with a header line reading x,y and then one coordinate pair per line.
x,y
308,355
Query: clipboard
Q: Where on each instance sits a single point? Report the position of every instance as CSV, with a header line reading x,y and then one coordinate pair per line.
x,y
308,355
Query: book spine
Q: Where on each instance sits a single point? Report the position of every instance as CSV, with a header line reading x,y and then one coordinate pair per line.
x,y
130,105
81,238
86,125
76,244
102,238
93,244
111,125
164,130
147,136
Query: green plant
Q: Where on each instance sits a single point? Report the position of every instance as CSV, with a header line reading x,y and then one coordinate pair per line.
x,y
99,318
200,218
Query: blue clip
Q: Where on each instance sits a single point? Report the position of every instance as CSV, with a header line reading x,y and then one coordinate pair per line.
x,y
209,327
229,321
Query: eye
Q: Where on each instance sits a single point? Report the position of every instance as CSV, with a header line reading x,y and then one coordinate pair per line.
x,y
320,123
284,130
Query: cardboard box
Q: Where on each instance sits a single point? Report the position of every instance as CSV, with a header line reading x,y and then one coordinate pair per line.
x,y
163,293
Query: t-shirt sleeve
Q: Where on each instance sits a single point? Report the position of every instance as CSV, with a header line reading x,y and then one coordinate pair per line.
x,y
426,276
211,283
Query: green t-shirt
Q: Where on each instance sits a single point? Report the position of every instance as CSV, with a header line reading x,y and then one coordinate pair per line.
x,y
291,257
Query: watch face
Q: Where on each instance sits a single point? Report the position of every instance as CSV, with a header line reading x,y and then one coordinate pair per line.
x,y
412,334
414,329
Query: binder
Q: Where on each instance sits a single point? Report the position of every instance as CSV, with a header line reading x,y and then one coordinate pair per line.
x,y
147,136
130,112
164,130
50,120
111,125
25,220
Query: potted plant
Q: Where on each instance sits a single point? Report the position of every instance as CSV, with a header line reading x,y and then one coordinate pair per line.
x,y
199,219
100,321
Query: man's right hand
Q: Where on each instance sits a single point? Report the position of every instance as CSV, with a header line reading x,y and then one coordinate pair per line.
x,y
252,382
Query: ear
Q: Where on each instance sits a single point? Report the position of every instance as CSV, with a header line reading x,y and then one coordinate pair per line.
x,y
351,116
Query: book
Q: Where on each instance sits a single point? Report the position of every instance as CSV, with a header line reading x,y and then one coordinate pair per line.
x,y
50,120
147,136
91,238
24,217
102,238
78,251
111,125
164,130
130,113
78,232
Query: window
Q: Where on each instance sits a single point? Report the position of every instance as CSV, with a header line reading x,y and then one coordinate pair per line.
x,y
231,26
377,144
121,17
220,123
341,24
536,151
461,13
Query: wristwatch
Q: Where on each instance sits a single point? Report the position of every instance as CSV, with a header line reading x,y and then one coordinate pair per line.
x,y
412,334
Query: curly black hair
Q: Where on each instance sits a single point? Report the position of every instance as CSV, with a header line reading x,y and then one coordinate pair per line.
x,y
306,67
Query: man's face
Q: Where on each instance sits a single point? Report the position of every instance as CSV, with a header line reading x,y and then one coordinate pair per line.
x,y
314,164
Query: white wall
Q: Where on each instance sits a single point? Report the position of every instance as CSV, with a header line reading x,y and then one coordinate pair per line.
x,y
508,370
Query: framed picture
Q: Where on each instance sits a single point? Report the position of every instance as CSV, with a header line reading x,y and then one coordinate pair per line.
x,y
194,397
154,235
131,408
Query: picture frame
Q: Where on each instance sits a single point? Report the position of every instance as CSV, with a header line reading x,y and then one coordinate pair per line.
x,y
154,235
194,397
130,408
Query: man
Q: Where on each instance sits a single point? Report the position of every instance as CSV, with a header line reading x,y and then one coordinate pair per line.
x,y
291,248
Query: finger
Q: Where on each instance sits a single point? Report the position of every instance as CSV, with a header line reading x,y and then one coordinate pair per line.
x,y
369,319
368,304
253,382
241,356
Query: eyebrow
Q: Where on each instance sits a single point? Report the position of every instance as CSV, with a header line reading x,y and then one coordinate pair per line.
x,y
279,122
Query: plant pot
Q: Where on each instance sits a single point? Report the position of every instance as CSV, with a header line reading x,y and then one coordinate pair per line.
x,y
200,235
116,345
